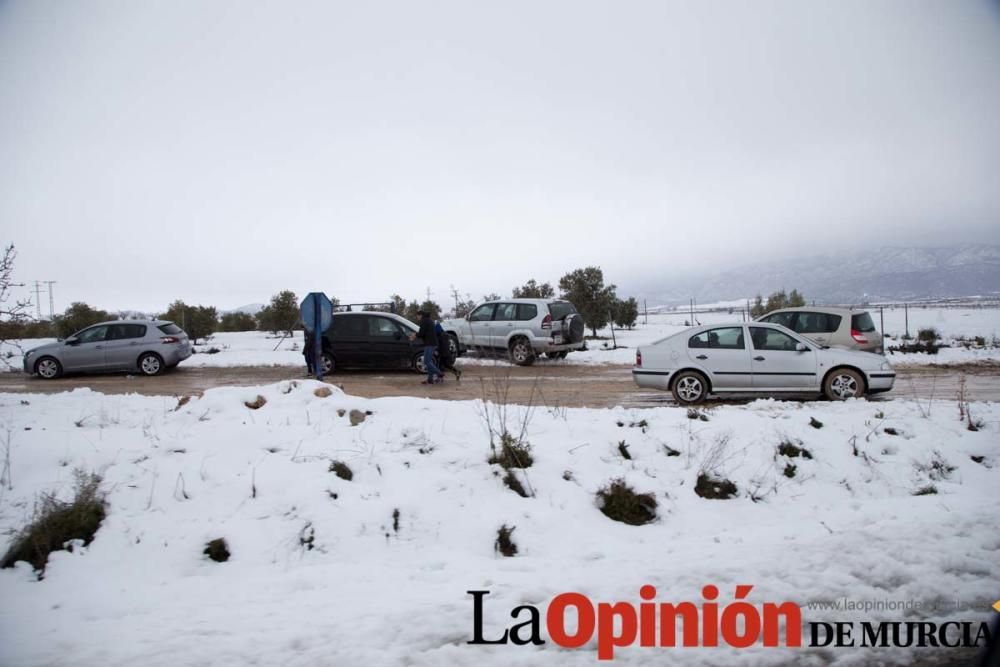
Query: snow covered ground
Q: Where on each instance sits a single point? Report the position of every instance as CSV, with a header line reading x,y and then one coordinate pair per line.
x,y
263,349
375,571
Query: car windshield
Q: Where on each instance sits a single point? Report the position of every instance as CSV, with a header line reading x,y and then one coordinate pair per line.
x,y
862,322
560,309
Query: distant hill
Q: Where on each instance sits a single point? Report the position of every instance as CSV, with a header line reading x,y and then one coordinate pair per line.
x,y
249,309
886,274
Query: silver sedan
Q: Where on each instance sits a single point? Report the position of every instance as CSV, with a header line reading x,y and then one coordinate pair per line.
x,y
756,358
146,346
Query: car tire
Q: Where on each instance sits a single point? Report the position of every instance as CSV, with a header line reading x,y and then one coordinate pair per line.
x,y
151,364
456,349
842,384
329,364
689,388
521,352
418,364
48,368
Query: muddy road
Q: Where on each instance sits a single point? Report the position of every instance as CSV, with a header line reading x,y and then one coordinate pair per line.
x,y
552,385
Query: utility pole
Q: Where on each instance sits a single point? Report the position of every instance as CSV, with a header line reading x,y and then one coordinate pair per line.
x,y
454,294
52,303
38,298
645,312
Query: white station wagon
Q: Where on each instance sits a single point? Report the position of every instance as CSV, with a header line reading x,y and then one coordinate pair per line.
x,y
756,358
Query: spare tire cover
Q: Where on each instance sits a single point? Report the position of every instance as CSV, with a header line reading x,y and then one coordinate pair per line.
x,y
576,326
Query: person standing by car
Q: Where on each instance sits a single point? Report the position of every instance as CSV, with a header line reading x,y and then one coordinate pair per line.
x,y
446,357
308,351
428,338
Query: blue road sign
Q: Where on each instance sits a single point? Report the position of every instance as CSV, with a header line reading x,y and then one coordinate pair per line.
x,y
316,311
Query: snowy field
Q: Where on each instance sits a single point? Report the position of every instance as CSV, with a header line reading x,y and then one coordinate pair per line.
x,y
374,571
263,349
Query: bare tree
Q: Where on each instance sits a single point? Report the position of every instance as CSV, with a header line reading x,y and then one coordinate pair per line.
x,y
12,312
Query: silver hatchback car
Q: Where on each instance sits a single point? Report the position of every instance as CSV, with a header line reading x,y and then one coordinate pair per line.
x,y
756,358
832,327
146,346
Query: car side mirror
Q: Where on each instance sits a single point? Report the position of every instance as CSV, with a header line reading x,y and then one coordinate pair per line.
x,y
72,340
397,335
801,347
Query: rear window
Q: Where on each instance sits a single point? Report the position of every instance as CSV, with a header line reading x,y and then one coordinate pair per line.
x,y
124,331
560,309
350,325
817,323
170,329
526,312
728,338
862,322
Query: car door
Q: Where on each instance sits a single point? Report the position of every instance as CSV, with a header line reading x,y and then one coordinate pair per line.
x,y
481,325
504,321
86,351
778,364
349,340
121,349
389,346
723,352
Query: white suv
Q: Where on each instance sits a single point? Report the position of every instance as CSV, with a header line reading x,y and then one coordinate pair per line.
x,y
524,328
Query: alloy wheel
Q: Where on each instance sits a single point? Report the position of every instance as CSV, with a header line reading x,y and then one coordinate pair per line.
x,y
689,388
844,386
150,365
48,368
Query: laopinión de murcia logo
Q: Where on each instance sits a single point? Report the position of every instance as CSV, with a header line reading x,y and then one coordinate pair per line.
x,y
572,620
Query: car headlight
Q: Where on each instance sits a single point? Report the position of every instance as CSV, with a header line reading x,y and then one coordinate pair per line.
x,y
885,366
28,353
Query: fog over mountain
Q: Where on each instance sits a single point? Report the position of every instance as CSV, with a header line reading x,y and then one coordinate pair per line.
x,y
900,273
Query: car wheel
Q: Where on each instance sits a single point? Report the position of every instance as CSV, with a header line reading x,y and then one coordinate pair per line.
x,y
48,368
842,384
150,364
521,352
690,388
456,350
329,365
418,364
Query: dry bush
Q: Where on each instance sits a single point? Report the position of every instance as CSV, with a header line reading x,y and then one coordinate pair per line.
x,y
57,522
620,502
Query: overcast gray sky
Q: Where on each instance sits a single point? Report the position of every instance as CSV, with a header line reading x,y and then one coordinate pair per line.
x,y
221,151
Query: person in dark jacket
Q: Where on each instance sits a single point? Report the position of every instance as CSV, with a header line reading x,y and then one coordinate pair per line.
x,y
307,351
428,339
446,360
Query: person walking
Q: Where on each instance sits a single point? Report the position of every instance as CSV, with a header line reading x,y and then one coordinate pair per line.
x,y
446,359
428,339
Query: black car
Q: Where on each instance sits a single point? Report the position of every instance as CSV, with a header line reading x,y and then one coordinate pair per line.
x,y
371,340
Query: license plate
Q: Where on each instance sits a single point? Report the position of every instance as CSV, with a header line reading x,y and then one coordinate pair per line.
x,y
558,340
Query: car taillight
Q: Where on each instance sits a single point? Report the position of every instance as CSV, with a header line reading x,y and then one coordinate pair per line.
x,y
170,339
547,322
858,336
638,358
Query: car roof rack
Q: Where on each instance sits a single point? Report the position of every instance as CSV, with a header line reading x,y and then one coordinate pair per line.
x,y
349,307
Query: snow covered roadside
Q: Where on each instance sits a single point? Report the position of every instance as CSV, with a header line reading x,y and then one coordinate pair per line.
x,y
320,575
